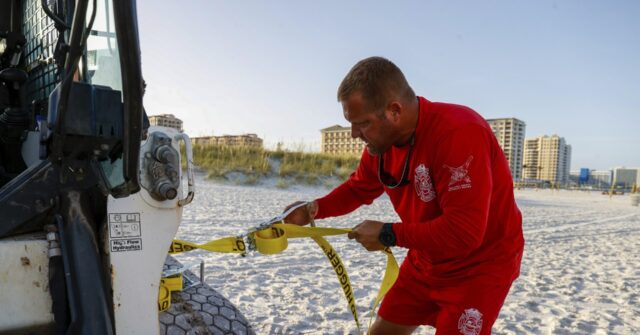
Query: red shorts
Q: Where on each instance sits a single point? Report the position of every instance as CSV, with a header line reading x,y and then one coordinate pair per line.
x,y
468,307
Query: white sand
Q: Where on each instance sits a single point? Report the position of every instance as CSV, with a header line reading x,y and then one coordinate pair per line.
x,y
580,273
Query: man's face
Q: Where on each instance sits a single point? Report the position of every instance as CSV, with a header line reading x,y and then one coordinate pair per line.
x,y
368,125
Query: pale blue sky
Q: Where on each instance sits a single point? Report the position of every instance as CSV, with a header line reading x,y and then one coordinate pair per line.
x,y
570,68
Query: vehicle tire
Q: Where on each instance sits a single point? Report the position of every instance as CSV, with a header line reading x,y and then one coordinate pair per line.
x,y
200,310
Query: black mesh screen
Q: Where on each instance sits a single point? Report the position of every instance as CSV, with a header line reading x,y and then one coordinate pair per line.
x,y
41,37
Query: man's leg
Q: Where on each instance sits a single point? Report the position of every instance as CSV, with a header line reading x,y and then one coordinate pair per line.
x,y
384,327
471,308
406,306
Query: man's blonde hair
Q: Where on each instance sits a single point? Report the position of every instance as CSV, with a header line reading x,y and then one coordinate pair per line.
x,y
378,80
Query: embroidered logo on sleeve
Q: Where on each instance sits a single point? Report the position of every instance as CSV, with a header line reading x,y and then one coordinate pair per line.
x,y
423,184
470,322
460,176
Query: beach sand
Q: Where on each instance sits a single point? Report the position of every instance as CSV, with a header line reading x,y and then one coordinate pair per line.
x,y
580,272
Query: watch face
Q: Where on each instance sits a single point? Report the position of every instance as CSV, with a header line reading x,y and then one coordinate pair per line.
x,y
387,239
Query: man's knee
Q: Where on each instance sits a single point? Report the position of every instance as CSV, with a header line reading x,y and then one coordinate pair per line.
x,y
384,327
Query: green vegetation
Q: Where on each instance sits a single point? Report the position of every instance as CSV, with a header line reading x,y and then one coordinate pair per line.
x,y
290,167
220,160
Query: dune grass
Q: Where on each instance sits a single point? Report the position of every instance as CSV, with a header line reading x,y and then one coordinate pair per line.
x,y
220,160
289,166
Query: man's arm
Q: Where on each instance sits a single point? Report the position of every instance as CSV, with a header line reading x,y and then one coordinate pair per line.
x,y
463,178
361,188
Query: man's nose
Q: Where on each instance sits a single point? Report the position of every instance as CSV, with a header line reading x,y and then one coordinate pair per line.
x,y
355,132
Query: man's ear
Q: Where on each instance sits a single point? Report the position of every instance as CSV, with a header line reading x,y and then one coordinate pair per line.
x,y
394,111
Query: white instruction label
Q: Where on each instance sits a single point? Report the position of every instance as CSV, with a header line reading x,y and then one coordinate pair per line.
x,y
126,244
122,227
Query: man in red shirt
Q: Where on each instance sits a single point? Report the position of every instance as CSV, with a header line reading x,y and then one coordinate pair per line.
x,y
450,184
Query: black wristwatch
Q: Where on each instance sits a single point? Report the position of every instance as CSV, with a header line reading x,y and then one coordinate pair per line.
x,y
387,237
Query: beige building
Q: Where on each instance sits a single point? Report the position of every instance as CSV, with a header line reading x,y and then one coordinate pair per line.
x,y
338,140
244,140
510,134
547,158
166,120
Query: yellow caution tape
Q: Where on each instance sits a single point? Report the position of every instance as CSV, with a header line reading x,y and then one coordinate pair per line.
x,y
227,245
274,240
390,276
164,298
341,272
173,282
168,285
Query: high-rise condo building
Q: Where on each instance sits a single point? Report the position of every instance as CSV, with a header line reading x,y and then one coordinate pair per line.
x,y
510,134
547,158
625,177
338,140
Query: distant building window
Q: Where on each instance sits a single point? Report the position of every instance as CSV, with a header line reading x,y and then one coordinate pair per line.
x,y
341,140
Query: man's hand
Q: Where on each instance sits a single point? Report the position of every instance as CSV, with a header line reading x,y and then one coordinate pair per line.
x,y
302,215
367,233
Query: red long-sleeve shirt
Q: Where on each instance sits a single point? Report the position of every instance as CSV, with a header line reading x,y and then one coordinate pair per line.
x,y
458,213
